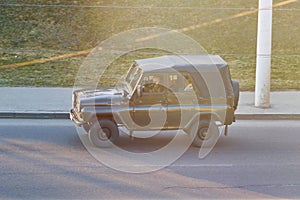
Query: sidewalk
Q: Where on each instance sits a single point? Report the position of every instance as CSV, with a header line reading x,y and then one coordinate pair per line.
x,y
19,102
284,105
54,103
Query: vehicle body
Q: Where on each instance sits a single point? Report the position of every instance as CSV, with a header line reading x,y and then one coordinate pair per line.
x,y
162,93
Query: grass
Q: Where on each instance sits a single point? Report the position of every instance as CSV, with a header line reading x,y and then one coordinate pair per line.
x,y
29,33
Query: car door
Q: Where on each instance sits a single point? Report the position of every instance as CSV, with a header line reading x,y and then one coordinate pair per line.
x,y
150,111
182,102
181,109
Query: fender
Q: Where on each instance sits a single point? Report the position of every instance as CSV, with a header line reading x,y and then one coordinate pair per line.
x,y
91,113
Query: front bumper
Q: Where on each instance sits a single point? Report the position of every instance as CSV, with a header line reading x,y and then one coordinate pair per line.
x,y
75,118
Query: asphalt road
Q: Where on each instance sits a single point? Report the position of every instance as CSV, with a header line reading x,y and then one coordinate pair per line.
x,y
45,159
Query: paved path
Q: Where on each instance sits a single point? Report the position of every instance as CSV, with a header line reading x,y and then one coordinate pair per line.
x,y
56,102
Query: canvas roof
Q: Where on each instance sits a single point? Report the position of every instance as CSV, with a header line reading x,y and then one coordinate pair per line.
x,y
182,62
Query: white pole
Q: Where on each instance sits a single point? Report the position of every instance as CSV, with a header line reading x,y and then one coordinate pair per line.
x,y
263,59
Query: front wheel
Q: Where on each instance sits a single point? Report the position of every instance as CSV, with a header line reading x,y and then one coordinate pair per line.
x,y
207,133
103,133
86,127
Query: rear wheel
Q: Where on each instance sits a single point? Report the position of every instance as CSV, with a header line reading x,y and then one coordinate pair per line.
x,y
207,133
103,133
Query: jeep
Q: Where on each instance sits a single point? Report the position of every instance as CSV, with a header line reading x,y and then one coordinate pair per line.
x,y
193,93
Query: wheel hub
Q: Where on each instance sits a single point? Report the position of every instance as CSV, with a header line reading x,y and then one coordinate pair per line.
x,y
104,134
203,133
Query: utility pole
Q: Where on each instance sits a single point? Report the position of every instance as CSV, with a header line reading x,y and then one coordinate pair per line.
x,y
263,59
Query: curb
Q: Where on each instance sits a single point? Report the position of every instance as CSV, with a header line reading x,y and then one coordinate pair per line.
x,y
274,116
34,115
66,115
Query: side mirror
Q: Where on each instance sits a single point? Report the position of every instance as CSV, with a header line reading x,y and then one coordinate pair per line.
x,y
139,90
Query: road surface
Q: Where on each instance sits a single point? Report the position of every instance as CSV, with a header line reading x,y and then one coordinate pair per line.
x,y
45,159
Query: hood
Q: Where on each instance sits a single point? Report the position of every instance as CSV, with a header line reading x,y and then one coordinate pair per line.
x,y
99,97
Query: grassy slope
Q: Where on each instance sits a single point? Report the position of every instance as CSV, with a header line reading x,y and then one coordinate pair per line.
x,y
74,28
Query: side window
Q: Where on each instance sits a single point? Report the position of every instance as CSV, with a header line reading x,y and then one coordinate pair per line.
x,y
153,83
182,88
174,82
168,82
189,84
181,82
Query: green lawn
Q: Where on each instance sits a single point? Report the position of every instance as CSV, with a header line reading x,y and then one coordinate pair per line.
x,y
29,33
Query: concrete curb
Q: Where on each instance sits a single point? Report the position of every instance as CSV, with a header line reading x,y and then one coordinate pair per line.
x,y
267,116
34,115
65,115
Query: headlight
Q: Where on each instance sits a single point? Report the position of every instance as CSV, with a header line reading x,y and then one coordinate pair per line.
x,y
76,102
73,101
78,106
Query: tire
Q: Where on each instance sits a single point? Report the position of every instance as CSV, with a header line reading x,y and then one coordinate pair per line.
x,y
236,92
86,127
201,136
103,133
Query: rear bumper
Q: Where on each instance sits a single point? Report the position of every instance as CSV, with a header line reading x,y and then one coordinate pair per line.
x,y
75,118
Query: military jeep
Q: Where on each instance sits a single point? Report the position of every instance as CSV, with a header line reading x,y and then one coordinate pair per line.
x,y
162,93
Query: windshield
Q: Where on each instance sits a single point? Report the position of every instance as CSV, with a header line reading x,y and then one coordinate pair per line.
x,y
132,78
